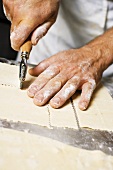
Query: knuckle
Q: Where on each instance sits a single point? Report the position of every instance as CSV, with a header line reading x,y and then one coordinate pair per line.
x,y
43,65
92,83
48,72
68,90
74,81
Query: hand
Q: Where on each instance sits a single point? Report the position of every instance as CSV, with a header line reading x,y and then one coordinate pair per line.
x,y
62,74
31,16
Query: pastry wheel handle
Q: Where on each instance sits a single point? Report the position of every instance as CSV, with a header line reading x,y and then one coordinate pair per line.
x,y
26,49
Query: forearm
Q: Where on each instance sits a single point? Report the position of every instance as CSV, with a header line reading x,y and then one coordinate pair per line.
x,y
103,46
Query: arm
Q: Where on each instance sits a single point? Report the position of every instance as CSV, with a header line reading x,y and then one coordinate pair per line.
x,y
62,74
31,17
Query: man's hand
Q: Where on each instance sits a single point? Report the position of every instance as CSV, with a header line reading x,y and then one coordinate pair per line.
x,y
30,17
62,74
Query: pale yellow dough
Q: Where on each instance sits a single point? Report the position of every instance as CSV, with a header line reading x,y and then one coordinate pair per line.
x,y
17,106
22,151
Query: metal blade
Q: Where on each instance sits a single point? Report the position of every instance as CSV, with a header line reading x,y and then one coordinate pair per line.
x,y
83,138
22,71
21,85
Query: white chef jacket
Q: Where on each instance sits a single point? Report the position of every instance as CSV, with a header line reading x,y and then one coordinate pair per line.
x,y
78,22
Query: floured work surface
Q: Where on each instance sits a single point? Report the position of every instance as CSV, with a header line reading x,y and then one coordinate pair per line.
x,y
21,150
17,106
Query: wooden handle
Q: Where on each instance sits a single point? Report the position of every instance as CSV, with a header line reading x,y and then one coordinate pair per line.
x,y
26,47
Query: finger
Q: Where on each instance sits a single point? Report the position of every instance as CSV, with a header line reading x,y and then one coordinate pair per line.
x,y
65,93
40,32
44,64
51,88
87,91
20,32
39,68
42,80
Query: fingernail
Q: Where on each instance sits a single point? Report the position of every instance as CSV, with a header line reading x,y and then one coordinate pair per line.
x,y
32,90
56,102
39,98
83,106
36,41
12,36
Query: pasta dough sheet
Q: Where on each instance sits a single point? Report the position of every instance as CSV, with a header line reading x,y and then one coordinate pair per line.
x,y
24,151
17,106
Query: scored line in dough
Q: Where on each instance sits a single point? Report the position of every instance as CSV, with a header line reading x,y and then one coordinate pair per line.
x,y
75,113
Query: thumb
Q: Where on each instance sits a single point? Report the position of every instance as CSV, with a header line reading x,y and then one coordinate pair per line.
x,y
19,33
41,31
